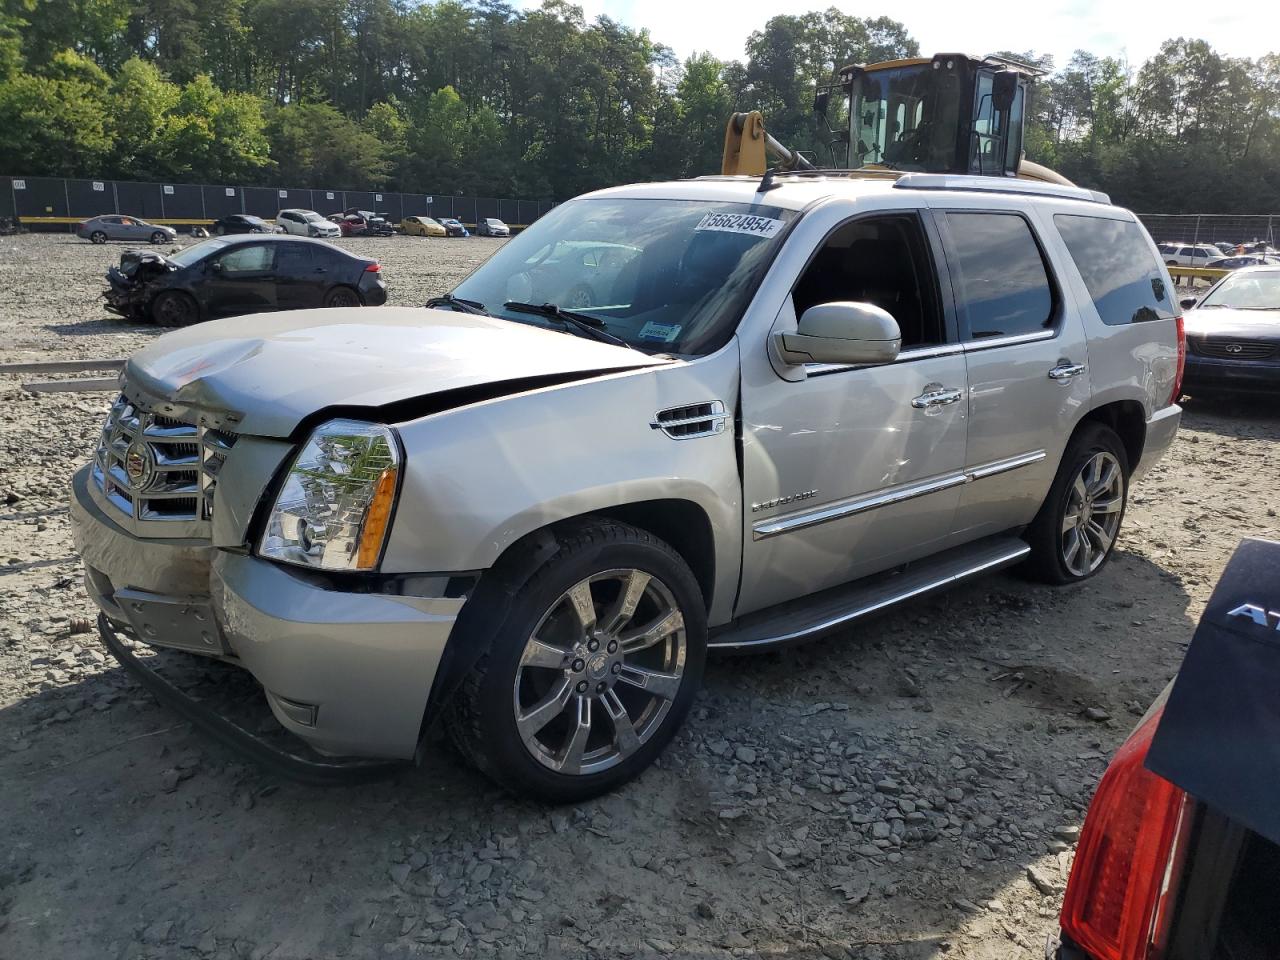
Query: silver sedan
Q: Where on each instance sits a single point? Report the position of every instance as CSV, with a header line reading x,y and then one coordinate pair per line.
x,y
120,227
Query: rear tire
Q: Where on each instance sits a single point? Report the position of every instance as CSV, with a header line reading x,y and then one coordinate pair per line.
x,y
595,643
1075,532
158,238
97,237
342,297
173,308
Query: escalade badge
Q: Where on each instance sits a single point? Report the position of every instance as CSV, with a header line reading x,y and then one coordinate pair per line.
x,y
782,501
138,465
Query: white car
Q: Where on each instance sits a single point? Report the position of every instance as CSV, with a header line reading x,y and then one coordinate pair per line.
x,y
307,223
1189,254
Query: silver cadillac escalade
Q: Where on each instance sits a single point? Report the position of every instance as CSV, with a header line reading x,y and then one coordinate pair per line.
x,y
724,413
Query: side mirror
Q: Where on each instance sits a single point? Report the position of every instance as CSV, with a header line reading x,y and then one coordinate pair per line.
x,y
842,333
1186,303
215,267
820,102
1004,87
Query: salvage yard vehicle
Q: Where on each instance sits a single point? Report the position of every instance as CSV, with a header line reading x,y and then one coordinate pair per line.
x,y
421,227
1179,856
115,227
241,223
1233,334
802,400
492,227
454,228
1189,254
376,224
234,275
307,223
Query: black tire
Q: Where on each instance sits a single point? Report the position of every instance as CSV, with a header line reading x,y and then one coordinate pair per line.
x,y
159,237
220,230
173,308
342,297
518,595
1049,540
97,237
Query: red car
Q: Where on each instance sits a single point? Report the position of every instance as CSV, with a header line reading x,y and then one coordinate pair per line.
x,y
351,225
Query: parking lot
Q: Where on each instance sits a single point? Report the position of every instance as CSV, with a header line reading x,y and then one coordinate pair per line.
x,y
909,790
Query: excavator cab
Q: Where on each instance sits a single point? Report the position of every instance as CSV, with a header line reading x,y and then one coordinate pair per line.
x,y
946,114
949,113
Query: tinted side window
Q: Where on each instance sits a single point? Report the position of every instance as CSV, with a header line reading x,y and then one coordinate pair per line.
x,y
1125,282
1001,284
293,258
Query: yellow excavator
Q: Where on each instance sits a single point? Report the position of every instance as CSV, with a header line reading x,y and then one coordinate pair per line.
x,y
950,113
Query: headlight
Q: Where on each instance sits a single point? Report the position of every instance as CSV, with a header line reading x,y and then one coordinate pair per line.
x,y
335,506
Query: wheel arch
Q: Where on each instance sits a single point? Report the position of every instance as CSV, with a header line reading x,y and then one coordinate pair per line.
x,y
683,524
1129,421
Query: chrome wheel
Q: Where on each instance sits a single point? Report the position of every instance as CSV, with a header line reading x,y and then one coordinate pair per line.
x,y
1091,518
600,671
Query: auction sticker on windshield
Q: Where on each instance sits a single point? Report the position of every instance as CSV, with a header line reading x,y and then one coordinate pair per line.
x,y
740,223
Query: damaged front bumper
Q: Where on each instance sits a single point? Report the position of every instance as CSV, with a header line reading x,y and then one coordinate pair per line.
x,y
348,672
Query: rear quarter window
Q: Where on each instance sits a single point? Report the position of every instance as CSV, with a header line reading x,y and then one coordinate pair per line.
x,y
1115,262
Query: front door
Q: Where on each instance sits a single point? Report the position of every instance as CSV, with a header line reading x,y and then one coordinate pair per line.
x,y
241,280
849,470
1027,361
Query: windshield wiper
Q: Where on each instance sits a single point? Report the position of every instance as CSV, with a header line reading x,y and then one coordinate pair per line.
x,y
457,303
591,326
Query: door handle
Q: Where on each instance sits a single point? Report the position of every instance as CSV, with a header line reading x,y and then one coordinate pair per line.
x,y
1066,371
937,398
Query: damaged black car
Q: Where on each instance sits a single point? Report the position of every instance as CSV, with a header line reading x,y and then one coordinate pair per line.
x,y
227,276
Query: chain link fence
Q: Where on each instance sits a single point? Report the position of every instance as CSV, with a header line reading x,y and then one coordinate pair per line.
x,y
56,203
1211,227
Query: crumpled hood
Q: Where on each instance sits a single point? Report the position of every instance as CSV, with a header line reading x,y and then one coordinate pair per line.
x,y
274,370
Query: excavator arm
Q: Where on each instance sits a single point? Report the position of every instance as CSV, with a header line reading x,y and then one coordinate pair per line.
x,y
748,147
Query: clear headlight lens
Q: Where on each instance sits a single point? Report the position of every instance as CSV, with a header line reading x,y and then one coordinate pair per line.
x,y
335,506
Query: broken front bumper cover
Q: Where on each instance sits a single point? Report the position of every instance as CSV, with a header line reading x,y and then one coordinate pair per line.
x,y
348,672
208,721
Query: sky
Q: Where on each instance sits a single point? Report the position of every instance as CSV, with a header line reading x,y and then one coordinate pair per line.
x,y
1132,28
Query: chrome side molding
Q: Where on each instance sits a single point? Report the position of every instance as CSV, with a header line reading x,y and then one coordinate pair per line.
x,y
763,529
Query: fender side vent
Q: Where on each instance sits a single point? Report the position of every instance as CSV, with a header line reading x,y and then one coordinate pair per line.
x,y
693,420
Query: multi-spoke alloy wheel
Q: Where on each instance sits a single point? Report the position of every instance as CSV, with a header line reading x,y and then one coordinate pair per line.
x,y
600,671
1091,520
1076,528
589,642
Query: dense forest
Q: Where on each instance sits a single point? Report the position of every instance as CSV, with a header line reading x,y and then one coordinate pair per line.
x,y
481,98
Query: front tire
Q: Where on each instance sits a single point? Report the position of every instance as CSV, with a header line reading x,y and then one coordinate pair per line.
x,y
97,237
173,308
158,238
1075,532
592,664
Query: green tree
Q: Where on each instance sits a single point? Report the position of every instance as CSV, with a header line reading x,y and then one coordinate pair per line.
x,y
315,144
52,126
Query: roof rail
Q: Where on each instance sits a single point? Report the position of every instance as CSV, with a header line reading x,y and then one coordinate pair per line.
x,y
978,184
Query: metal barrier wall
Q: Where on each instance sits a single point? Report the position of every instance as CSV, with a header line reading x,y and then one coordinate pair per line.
x,y
53,201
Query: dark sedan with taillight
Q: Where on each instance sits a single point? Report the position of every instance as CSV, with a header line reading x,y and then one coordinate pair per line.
x,y
1233,335
1179,856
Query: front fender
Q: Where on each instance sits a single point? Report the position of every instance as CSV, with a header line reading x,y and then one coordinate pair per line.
x,y
479,478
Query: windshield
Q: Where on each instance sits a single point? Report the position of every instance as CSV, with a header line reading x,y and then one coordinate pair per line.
x,y
1247,291
197,251
667,276
312,217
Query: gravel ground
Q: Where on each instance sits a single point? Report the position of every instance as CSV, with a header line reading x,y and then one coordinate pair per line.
x,y
910,790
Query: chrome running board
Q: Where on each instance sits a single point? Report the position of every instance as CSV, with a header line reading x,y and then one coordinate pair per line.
x,y
810,617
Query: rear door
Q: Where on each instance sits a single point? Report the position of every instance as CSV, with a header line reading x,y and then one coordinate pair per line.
x,y
1026,359
240,280
303,273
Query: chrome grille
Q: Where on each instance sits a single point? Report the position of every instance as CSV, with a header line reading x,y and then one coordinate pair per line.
x,y
175,464
1226,349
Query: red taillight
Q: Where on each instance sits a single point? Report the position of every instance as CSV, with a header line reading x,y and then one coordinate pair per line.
x,y
1118,876
1182,361
377,268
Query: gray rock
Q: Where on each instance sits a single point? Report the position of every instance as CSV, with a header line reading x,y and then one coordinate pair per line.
x,y
400,873
745,755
